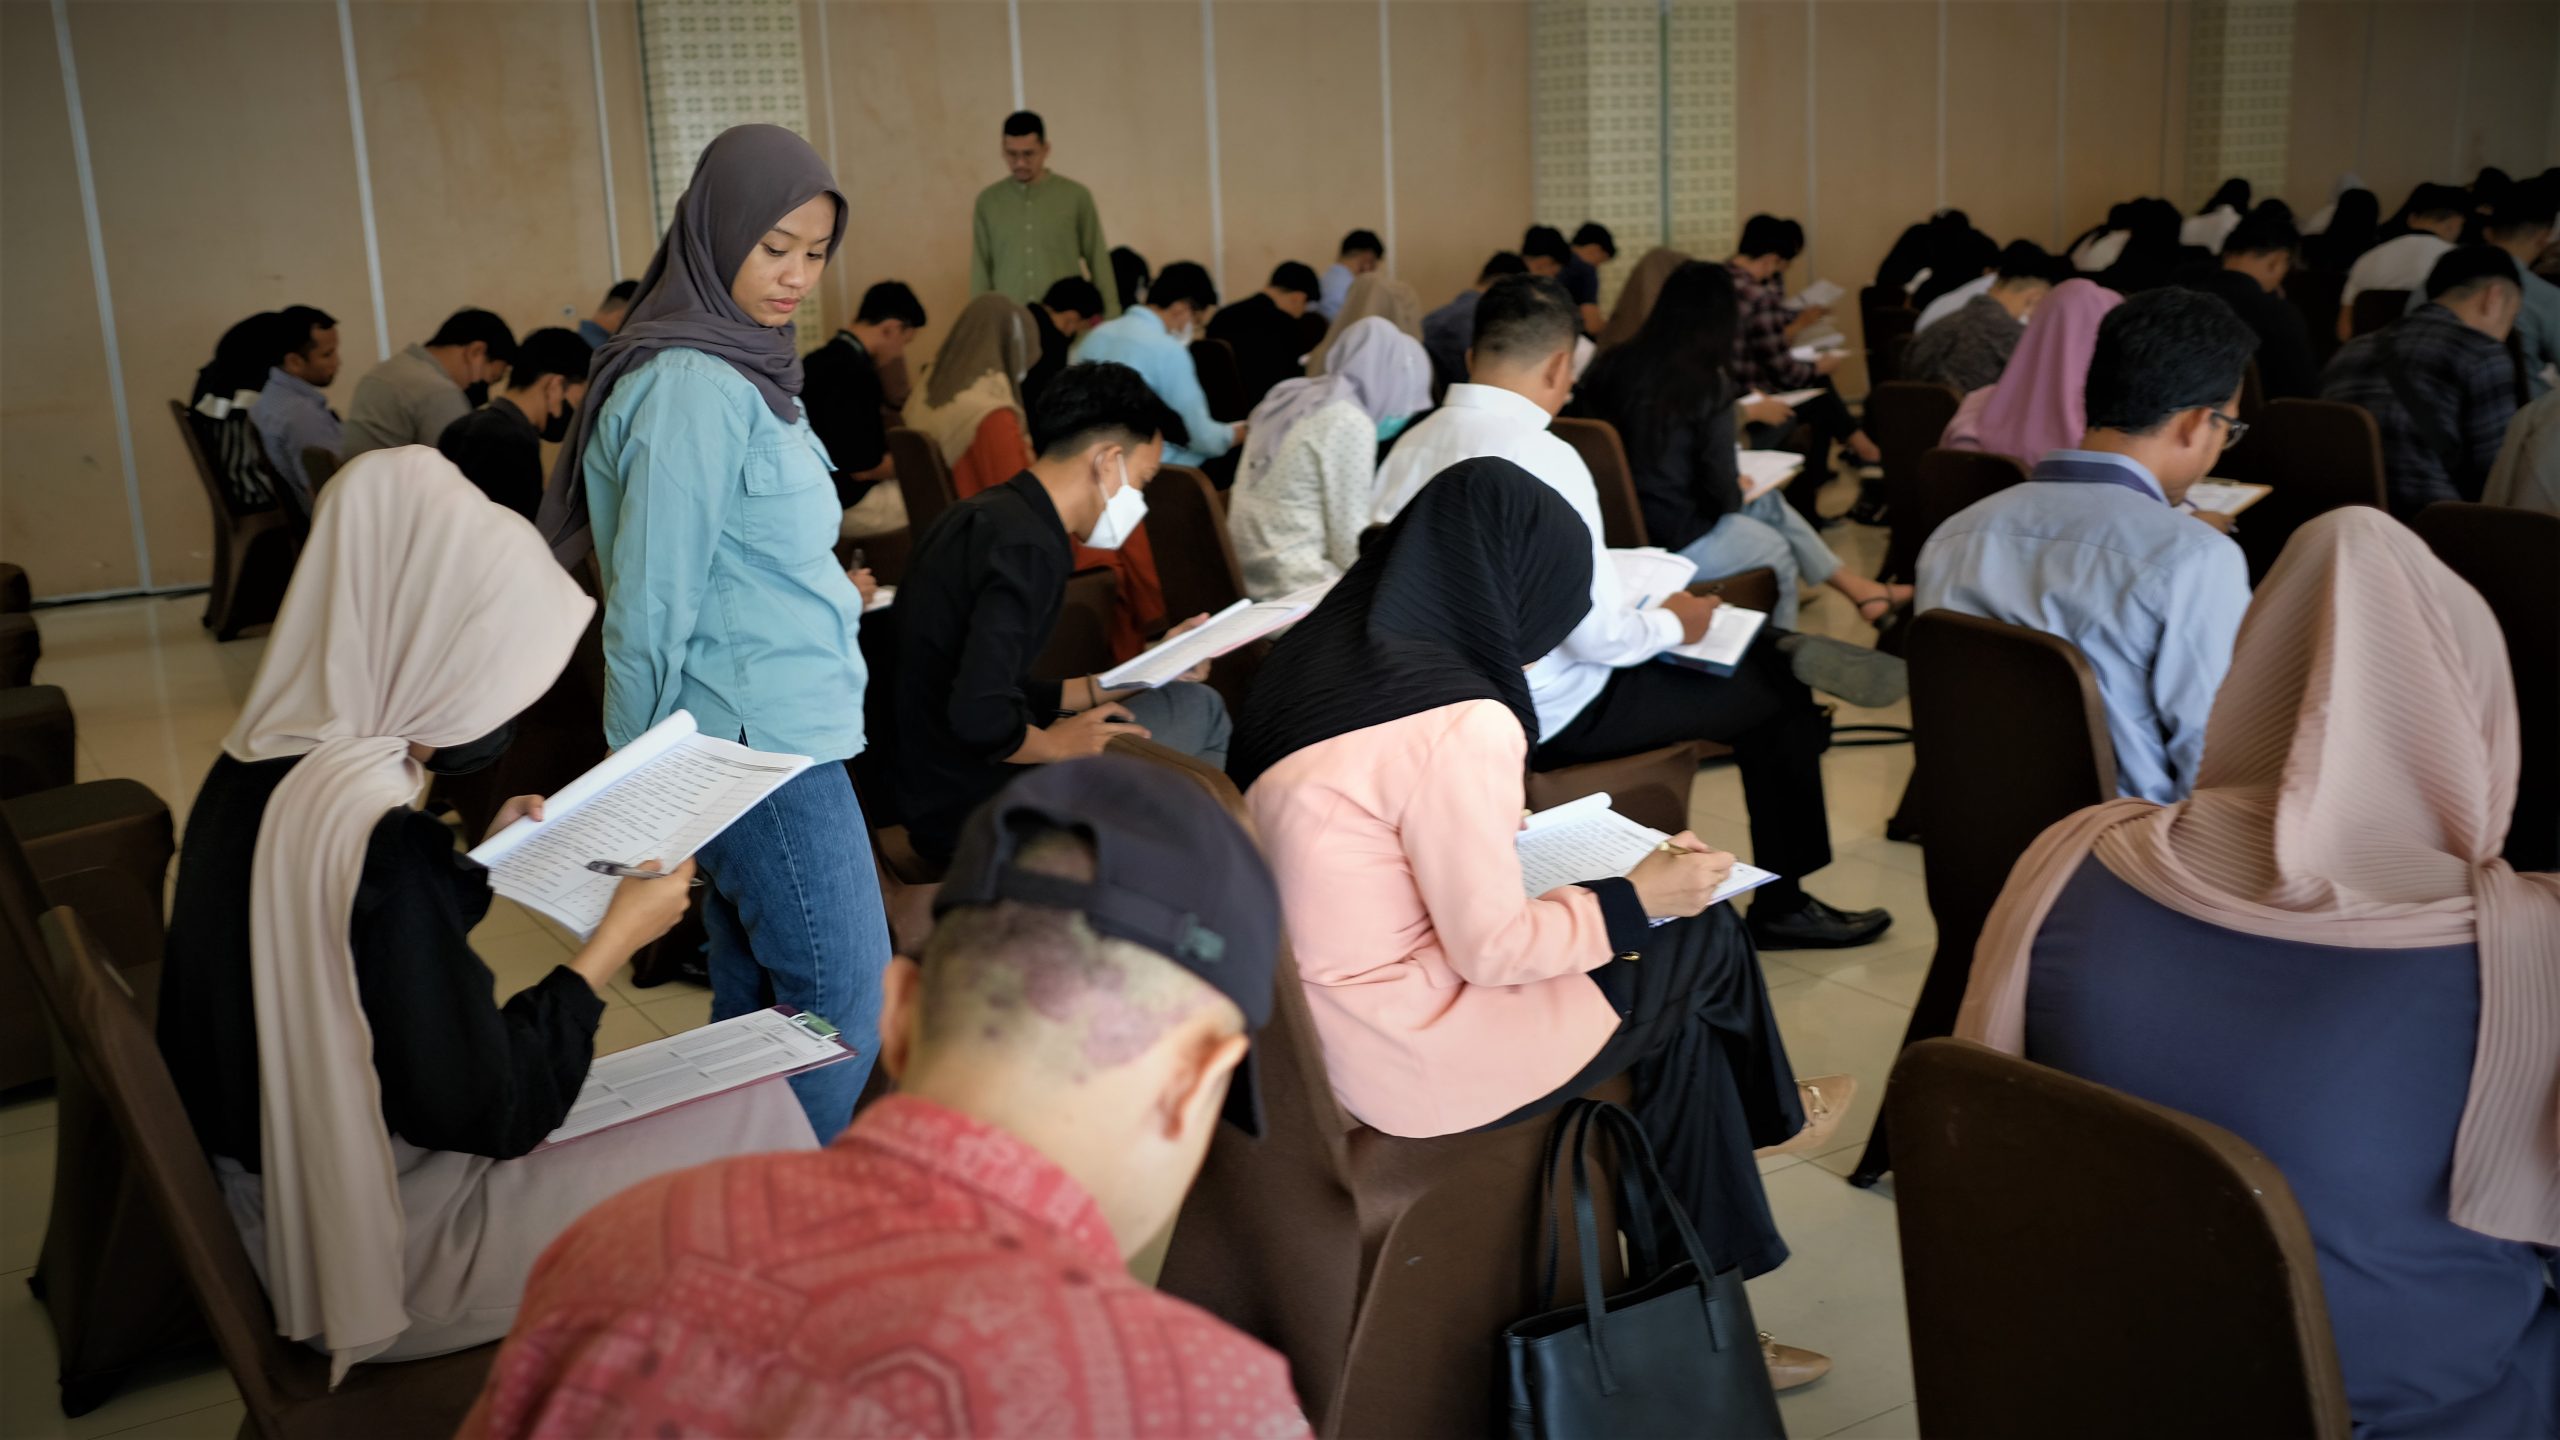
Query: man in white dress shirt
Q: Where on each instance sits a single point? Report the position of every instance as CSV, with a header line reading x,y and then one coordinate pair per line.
x,y
1597,695
2435,221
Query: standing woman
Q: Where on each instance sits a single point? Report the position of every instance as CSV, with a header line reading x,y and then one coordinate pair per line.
x,y
713,527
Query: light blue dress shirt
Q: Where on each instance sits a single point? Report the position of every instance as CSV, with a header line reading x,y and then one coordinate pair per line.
x,y
1139,340
292,414
715,528
2151,596
1333,288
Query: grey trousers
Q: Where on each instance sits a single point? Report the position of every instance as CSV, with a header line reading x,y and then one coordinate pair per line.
x,y
1186,717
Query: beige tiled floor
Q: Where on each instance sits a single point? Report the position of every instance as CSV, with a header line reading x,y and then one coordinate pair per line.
x,y
155,696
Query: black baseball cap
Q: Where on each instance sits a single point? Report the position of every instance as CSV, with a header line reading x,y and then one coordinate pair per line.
x,y
1172,873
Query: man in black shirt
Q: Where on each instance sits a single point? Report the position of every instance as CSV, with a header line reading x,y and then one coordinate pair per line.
x,y
840,385
1263,330
498,447
1072,306
2250,279
983,592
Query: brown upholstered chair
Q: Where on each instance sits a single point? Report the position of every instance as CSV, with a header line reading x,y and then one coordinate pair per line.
x,y
2376,308
1382,1268
1951,480
2253,393
21,646
1081,642
16,595
104,846
253,550
2318,455
924,478
2063,1241
284,1385
1905,419
2509,556
39,740
1621,515
317,466
1195,561
2315,293
1221,383
2009,735
1888,336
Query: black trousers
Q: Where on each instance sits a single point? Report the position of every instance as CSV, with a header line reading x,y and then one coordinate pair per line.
x,y
1712,1083
1762,710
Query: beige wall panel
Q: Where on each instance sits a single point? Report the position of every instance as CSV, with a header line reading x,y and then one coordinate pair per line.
x,y
1462,140
204,225
1769,173
2001,104
2115,124
627,119
1876,161
1302,158
2508,112
62,499
921,92
2409,124
481,123
2327,99
1119,83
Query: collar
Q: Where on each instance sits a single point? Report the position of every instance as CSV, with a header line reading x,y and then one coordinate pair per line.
x,y
514,411
2102,467
1032,493
294,385
1509,404
1142,316
848,337
994,1164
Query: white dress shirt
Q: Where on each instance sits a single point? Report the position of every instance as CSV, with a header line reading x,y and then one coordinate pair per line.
x,y
1479,421
1954,300
2400,264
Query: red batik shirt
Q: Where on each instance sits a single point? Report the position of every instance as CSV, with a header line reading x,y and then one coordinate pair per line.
x,y
927,1274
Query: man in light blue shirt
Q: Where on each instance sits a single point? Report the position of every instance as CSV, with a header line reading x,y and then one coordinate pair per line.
x,y
2094,549
1154,339
1362,252
292,415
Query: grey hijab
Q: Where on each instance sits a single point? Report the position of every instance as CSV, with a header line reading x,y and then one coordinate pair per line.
x,y
747,179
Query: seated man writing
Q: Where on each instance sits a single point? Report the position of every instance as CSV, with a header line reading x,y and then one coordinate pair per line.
x,y
983,593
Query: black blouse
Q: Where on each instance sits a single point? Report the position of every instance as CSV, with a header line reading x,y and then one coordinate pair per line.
x,y
1687,481
458,1071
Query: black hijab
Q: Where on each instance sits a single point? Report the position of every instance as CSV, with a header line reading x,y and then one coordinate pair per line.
x,y
2354,225
241,360
1486,571
748,178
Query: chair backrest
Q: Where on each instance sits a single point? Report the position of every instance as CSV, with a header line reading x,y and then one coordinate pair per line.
x,y
1888,336
2508,556
2315,293
1951,480
2009,735
1080,643
1755,589
2253,393
317,466
1187,531
234,475
2062,1241
2319,455
924,477
1906,418
1221,381
1621,515
2377,308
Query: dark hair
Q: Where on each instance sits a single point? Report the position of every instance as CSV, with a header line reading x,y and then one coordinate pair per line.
x,y
1524,318
550,351
1182,280
1026,122
2164,351
1100,401
294,324
2264,231
622,293
890,300
1676,364
1292,275
1075,293
465,327
1769,235
2027,260
2526,204
1546,242
2465,268
1364,240
1595,233
2234,193
242,357
1504,262
2430,200
1129,273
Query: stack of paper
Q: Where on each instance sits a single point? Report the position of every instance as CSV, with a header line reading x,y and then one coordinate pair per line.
x,y
1650,573
1729,633
1766,470
1233,628
1586,840
882,598
1821,292
1791,399
2225,497
698,1064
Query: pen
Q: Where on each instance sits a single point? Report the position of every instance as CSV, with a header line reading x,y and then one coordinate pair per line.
x,y
857,557
631,872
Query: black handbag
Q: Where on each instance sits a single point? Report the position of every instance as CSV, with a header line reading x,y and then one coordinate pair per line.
x,y
1675,1353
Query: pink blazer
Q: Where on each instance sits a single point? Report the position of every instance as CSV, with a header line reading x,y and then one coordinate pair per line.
x,y
1445,999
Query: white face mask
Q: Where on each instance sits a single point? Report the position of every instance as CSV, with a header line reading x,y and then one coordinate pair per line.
x,y
1183,335
1121,512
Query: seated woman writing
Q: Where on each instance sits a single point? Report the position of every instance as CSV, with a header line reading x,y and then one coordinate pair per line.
x,y
2321,951
1383,756
1310,470
369,1108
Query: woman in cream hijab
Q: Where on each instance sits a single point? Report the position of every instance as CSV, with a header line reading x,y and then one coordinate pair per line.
x,y
1371,294
975,377
2321,951
371,1112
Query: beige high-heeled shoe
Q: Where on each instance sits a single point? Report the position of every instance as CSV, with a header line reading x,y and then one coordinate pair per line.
x,y
1791,1367
1826,1099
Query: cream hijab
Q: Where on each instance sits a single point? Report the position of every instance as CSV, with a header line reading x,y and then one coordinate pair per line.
x,y
977,372
1637,297
1371,294
2359,775
419,612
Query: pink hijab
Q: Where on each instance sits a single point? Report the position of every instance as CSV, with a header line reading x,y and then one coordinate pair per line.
x,y
2037,404
2359,775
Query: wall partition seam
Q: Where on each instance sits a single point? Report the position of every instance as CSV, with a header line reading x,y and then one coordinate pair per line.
x,y
1812,147
364,181
604,149
1662,117
1387,128
2061,117
98,278
1209,97
835,280
1013,30
1942,106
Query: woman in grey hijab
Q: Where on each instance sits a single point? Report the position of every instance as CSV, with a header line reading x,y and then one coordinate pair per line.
x,y
707,502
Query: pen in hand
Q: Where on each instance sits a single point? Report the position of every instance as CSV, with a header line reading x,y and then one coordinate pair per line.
x,y
631,872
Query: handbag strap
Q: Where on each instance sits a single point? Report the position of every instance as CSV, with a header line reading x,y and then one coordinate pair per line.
x,y
1636,1158
1572,1118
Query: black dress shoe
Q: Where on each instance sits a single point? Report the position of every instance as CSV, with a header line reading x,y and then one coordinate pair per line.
x,y
1817,927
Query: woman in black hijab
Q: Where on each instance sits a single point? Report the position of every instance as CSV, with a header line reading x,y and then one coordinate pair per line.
x,y
2355,226
1383,755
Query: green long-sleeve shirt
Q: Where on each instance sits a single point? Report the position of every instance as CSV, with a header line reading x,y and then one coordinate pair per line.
x,y
1026,238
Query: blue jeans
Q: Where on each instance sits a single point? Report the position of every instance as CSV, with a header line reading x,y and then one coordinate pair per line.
x,y
1768,531
795,918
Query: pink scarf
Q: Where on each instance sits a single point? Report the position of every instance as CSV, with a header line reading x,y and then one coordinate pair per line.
x,y
2038,403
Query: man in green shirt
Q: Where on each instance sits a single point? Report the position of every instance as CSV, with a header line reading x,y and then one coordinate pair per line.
x,y
1036,227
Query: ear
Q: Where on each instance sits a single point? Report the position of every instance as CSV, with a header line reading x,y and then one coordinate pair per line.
x,y
1196,1088
1559,369
899,1013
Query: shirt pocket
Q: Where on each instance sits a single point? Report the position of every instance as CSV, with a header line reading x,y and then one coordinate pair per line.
x,y
790,514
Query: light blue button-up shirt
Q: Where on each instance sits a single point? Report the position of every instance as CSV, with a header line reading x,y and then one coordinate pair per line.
x,y
715,529
2151,596
1333,288
1139,340
292,415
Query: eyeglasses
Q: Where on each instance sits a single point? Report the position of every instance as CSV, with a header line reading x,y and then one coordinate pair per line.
x,y
2238,427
